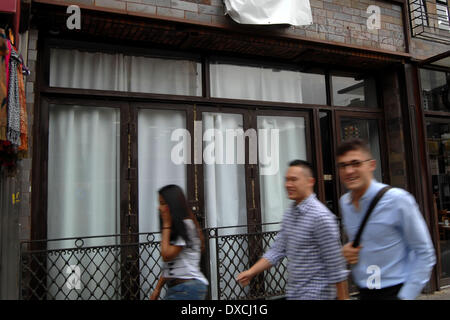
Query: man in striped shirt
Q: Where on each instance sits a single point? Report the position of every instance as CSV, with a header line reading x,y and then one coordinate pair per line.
x,y
309,238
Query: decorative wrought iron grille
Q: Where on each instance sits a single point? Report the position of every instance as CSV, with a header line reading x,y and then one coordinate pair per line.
x,y
236,250
428,25
128,266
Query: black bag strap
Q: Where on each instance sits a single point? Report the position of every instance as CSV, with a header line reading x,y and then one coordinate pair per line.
x,y
369,211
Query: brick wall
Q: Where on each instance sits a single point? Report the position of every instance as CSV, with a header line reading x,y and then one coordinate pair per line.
x,y
340,21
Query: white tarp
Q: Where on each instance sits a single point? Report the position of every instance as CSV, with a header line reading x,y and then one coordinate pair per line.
x,y
293,12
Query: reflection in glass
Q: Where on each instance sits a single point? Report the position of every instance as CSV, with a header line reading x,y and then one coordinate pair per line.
x,y
438,144
350,92
368,131
435,90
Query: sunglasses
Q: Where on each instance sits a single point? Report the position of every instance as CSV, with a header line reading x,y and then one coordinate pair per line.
x,y
352,164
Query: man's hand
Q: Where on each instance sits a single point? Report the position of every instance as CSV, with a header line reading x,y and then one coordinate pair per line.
x,y
351,254
245,277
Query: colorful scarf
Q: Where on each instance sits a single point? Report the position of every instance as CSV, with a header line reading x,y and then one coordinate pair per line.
x,y
13,133
23,112
3,91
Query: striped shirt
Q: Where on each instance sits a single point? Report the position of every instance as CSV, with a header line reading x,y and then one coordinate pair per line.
x,y
309,238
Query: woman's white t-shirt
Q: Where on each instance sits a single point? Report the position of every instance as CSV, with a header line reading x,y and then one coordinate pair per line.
x,y
186,264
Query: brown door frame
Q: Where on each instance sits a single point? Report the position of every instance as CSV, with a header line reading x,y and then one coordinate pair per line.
x,y
429,117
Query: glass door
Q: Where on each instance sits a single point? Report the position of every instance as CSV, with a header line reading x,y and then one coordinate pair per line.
x,y
364,126
438,145
221,153
282,138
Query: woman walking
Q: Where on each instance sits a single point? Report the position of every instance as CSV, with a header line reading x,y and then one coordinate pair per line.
x,y
181,246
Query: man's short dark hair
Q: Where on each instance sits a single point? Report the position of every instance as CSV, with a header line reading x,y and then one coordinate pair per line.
x,y
303,164
353,145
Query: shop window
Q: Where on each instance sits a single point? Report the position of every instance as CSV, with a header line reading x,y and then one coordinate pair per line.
x,y
120,72
354,92
435,90
438,134
266,84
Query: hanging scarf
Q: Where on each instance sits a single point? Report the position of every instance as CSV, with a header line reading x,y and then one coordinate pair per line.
x,y
23,112
13,133
3,91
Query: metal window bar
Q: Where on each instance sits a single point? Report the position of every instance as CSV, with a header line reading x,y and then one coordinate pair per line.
x,y
128,267
429,26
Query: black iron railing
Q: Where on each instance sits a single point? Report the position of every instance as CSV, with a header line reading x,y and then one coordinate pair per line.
x,y
429,25
129,266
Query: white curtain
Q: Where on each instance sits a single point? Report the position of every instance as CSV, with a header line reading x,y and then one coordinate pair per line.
x,y
225,195
292,145
255,83
119,72
83,192
156,169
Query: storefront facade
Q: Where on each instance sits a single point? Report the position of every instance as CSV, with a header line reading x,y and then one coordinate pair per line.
x,y
108,99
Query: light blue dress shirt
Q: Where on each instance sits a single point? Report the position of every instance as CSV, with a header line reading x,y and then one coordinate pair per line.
x,y
395,239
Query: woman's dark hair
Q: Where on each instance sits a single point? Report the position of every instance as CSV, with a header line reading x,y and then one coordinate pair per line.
x,y
179,210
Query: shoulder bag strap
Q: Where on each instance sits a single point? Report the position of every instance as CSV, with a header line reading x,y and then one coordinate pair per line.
x,y
369,211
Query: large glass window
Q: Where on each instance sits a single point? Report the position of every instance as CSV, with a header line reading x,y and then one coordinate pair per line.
x,y
266,84
156,169
435,90
438,134
120,72
83,197
225,188
354,92
281,140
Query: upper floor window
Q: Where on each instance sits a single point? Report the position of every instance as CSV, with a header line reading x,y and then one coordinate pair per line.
x,y
121,72
267,84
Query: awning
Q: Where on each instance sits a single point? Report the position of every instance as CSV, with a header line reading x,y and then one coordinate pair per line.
x,y
439,60
265,12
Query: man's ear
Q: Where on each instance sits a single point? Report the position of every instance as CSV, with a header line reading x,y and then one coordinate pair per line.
x,y
373,164
312,181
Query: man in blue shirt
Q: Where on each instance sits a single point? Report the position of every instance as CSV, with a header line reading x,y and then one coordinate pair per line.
x,y
309,238
396,256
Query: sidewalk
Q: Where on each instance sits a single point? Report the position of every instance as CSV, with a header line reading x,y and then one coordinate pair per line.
x,y
444,294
